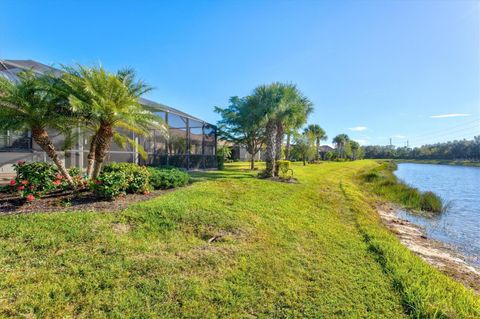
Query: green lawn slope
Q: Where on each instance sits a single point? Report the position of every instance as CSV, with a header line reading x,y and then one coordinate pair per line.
x,y
228,246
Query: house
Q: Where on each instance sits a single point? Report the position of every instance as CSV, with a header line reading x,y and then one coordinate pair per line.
x,y
323,150
190,142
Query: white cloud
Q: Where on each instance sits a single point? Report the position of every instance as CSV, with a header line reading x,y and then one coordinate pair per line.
x,y
358,128
441,116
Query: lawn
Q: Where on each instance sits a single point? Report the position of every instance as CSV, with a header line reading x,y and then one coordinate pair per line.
x,y
228,246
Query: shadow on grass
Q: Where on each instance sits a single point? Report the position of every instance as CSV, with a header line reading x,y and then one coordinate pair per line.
x,y
199,176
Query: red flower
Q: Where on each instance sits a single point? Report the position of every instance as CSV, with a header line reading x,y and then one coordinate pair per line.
x,y
20,163
21,188
97,182
30,198
59,176
146,192
57,182
31,187
13,182
25,182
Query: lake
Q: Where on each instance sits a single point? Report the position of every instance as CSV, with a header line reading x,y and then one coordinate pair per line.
x,y
459,188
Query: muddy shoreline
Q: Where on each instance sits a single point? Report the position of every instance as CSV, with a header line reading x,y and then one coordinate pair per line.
x,y
438,254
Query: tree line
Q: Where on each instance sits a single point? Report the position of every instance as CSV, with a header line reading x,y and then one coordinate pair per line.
x,y
452,150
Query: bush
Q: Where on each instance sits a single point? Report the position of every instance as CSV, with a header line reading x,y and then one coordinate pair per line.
x,y
283,168
137,177
430,202
35,179
110,184
163,178
220,162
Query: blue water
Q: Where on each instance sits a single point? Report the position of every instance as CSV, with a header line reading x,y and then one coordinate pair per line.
x,y
459,188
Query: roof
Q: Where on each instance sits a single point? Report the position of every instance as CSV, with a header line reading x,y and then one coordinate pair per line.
x,y
10,69
326,148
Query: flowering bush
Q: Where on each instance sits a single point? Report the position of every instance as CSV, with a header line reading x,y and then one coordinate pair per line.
x,y
137,176
34,179
110,184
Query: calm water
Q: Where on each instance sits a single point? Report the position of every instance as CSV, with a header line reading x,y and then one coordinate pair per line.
x,y
459,187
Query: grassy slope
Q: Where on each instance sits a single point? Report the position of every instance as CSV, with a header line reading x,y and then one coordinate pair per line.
x,y
441,162
313,249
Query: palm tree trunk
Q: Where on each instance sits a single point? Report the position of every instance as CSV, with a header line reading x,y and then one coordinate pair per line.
x,y
318,149
287,148
271,132
278,145
104,139
91,155
40,136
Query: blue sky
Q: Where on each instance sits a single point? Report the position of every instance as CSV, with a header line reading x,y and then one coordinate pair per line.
x,y
374,69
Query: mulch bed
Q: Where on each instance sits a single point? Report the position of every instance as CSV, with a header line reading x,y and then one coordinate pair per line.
x,y
69,201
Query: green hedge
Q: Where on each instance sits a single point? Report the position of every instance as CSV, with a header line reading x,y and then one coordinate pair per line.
x,y
166,177
137,177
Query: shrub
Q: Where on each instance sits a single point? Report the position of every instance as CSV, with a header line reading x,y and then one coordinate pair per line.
x,y
430,202
35,179
137,176
283,168
372,176
110,184
220,162
163,178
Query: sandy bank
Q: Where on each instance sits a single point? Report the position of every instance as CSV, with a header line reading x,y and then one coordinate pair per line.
x,y
440,255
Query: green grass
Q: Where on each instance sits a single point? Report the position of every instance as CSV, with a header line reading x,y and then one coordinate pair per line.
x,y
310,250
381,181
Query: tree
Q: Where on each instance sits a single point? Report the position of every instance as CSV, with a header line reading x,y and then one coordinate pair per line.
x,y
340,141
319,134
109,103
283,106
356,150
35,103
304,147
243,123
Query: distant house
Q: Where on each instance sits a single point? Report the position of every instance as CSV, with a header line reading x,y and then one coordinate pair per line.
x,y
323,150
190,143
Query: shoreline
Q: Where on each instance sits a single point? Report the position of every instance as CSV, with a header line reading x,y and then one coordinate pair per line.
x,y
436,253
439,162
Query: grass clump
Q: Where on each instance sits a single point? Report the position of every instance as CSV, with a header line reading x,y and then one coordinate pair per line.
x,y
383,182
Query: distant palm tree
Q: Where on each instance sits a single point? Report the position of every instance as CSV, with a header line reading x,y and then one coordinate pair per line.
x,y
340,141
109,103
319,134
355,146
36,103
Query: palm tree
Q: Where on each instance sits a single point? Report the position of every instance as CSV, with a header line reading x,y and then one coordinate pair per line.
x,y
283,106
340,141
35,103
319,134
355,146
109,103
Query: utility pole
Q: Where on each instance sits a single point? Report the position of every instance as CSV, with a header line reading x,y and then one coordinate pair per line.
x,y
390,142
407,144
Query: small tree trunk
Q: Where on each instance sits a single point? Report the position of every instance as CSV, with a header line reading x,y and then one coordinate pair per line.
x,y
318,149
278,145
287,148
252,162
91,156
104,139
271,131
40,136
304,160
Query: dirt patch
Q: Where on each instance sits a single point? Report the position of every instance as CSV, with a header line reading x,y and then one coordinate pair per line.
x,y
438,254
291,180
70,201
